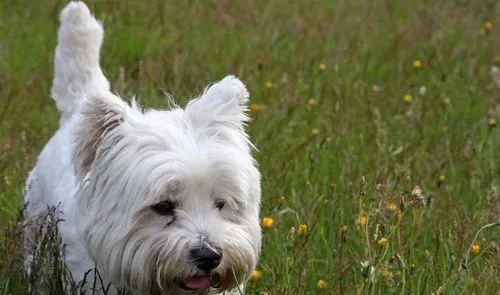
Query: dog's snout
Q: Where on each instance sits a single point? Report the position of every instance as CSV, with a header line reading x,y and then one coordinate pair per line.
x,y
205,258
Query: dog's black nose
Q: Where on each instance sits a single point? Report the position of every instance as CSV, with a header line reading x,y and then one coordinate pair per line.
x,y
206,259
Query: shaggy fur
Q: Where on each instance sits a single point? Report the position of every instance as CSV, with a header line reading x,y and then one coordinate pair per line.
x,y
141,191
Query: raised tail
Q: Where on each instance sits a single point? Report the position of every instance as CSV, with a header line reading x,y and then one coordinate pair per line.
x,y
77,71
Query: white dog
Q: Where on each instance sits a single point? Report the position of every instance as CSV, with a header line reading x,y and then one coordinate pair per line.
x,y
159,202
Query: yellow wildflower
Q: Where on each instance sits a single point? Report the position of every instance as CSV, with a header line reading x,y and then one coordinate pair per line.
x,y
302,229
382,241
315,131
267,222
254,108
322,67
311,102
282,199
417,64
407,98
475,249
446,100
391,206
386,274
269,85
362,220
322,284
255,275
488,26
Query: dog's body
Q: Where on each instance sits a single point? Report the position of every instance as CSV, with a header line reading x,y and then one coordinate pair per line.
x,y
160,202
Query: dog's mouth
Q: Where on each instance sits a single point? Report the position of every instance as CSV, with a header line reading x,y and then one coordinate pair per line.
x,y
201,282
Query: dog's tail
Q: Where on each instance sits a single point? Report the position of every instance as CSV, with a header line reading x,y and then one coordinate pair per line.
x,y
77,71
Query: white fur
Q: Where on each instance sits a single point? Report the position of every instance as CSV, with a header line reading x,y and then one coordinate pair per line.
x,y
109,163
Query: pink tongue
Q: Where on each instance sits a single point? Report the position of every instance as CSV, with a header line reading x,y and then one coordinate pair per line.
x,y
197,282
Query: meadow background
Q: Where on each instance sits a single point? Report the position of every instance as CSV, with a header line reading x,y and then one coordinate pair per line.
x,y
377,125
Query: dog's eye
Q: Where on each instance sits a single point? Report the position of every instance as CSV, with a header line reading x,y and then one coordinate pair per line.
x,y
220,204
164,208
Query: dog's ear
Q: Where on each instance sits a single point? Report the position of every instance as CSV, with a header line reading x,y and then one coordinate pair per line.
x,y
223,102
100,115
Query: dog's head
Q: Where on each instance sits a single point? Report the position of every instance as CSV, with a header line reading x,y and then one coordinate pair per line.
x,y
169,200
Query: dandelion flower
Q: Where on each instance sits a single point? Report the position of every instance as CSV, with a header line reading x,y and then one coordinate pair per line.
x,y
475,249
254,108
391,206
407,98
417,64
382,241
255,275
322,67
267,222
322,284
362,220
386,274
488,26
302,229
269,85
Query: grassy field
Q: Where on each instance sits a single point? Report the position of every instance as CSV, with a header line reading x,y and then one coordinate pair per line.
x,y
377,124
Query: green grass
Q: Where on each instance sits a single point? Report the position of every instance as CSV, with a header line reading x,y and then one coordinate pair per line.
x,y
336,144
